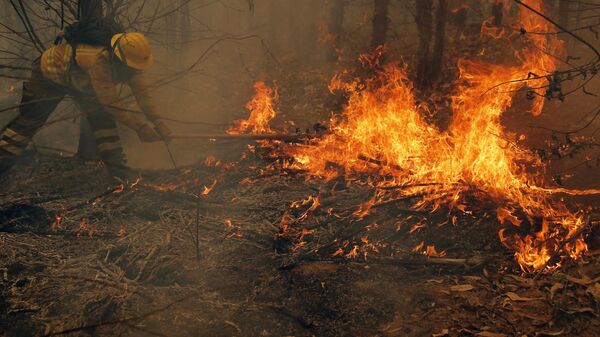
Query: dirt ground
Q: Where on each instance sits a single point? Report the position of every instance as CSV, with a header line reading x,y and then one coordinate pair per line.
x,y
127,264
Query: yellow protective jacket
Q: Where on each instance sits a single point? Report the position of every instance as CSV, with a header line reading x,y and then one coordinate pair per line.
x,y
92,74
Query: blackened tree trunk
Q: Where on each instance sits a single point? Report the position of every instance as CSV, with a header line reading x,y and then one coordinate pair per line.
x,y
335,29
89,9
184,23
437,59
563,13
551,6
423,19
170,22
459,19
380,23
497,12
87,149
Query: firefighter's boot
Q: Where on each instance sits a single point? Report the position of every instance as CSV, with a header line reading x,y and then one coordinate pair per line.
x,y
116,166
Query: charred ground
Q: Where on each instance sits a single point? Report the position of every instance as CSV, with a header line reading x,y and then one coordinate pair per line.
x,y
126,263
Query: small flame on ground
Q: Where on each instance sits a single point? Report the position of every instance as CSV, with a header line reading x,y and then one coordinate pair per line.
x,y
261,111
206,191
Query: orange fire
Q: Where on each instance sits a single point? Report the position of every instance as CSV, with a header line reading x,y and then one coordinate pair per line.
x,y
383,133
261,111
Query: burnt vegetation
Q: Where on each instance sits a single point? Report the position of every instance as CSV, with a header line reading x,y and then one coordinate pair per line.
x,y
337,168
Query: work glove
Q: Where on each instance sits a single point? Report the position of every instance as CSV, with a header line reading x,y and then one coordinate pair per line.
x,y
163,130
148,134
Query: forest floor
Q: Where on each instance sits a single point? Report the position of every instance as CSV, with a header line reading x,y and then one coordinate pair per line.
x,y
127,264
81,257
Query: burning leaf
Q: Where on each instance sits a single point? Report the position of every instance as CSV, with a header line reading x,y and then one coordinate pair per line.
x,y
418,247
136,182
338,252
233,235
416,227
119,189
504,215
207,190
56,224
432,252
353,253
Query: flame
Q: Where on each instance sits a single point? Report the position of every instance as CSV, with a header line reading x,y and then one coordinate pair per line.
x,y
261,111
56,224
383,133
206,191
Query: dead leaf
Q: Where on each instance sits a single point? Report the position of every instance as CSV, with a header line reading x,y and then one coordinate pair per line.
x,y
442,333
535,317
551,333
522,281
517,298
490,334
584,281
594,290
440,281
555,287
462,287
580,311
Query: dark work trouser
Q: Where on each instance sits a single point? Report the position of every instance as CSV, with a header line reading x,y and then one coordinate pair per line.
x,y
40,98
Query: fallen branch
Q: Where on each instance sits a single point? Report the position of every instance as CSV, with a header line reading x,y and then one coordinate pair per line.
x,y
468,263
562,246
272,136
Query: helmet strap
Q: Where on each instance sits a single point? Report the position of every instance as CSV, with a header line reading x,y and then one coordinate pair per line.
x,y
117,45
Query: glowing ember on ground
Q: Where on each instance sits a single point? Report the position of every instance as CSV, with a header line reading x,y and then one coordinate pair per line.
x,y
261,111
384,135
206,191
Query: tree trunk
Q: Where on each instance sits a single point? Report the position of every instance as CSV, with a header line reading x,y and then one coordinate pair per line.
x,y
184,24
424,25
497,12
335,29
380,23
563,13
304,28
87,149
171,27
437,59
551,7
459,19
89,9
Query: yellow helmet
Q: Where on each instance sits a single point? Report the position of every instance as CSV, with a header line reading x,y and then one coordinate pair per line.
x,y
133,49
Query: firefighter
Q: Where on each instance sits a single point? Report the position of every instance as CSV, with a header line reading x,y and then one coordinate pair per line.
x,y
92,76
